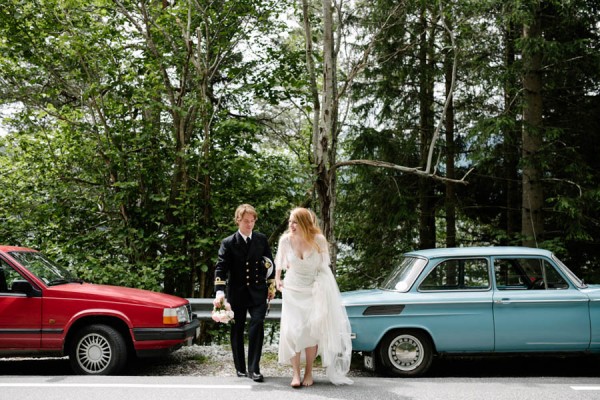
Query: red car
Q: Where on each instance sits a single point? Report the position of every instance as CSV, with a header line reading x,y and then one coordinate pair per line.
x,y
45,311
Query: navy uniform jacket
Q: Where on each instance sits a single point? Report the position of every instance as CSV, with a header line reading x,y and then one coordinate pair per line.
x,y
241,272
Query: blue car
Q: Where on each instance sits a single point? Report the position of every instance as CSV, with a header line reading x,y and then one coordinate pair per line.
x,y
473,300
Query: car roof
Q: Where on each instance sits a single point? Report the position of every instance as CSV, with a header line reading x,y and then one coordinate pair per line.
x,y
8,249
484,251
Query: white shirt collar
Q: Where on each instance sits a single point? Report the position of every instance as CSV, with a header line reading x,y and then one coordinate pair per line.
x,y
244,236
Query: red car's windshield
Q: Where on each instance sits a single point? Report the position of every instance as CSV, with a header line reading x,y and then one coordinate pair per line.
x,y
41,267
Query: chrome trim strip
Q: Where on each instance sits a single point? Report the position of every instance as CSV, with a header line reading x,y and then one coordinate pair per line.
x,y
490,301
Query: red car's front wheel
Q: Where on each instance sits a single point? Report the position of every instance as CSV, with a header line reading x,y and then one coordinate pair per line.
x,y
98,350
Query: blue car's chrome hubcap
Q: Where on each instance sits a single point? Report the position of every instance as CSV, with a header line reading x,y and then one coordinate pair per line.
x,y
406,352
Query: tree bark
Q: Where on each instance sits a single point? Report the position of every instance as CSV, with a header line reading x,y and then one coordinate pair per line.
x,y
511,217
324,127
427,229
450,203
532,225
327,137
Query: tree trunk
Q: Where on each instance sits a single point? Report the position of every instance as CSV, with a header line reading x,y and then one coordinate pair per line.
x,y
327,140
511,216
427,230
324,138
450,203
532,227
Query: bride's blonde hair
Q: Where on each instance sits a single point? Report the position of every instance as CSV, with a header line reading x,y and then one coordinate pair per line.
x,y
307,224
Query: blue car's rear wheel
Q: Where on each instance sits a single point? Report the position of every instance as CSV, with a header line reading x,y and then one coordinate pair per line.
x,y
405,353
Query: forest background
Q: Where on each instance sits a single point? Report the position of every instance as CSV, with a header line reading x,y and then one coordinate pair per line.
x,y
132,130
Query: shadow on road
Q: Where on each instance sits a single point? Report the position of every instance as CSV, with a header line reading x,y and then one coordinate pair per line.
x,y
35,366
517,366
464,366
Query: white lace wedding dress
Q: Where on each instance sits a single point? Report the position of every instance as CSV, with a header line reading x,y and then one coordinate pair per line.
x,y
312,312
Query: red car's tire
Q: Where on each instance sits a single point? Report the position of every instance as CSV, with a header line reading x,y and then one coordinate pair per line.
x,y
98,350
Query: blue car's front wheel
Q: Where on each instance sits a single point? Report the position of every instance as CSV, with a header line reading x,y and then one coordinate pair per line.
x,y
405,353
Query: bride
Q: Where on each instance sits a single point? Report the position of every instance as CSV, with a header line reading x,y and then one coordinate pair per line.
x,y
313,320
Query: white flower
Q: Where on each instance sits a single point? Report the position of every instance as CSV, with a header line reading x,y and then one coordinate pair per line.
x,y
222,312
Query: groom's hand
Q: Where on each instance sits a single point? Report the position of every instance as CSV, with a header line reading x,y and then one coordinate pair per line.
x,y
218,298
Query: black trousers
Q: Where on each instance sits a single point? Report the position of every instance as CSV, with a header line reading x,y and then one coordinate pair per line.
x,y
256,335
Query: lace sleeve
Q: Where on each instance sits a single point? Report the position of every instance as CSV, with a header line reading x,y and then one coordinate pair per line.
x,y
324,249
281,261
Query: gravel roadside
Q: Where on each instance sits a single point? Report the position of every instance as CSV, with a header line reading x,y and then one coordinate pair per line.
x,y
215,360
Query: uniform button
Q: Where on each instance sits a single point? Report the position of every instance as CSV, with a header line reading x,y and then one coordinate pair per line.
x,y
248,270
247,284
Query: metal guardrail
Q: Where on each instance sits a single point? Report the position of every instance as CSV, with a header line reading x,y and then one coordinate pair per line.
x,y
203,308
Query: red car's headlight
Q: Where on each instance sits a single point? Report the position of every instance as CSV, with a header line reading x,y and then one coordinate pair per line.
x,y
176,316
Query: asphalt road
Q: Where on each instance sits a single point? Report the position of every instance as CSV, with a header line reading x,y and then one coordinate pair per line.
x,y
194,388
495,378
445,367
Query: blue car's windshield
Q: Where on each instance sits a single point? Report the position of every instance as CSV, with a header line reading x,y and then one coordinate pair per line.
x,y
404,274
41,267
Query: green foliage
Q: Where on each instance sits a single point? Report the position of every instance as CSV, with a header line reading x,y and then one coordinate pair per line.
x,y
487,112
375,209
120,174
138,129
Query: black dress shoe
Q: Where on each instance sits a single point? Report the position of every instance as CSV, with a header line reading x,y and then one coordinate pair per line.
x,y
241,374
256,376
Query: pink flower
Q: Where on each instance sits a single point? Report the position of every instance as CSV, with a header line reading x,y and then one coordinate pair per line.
x,y
222,312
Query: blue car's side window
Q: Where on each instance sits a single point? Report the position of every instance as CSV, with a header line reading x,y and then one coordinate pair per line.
x,y
458,274
510,275
527,274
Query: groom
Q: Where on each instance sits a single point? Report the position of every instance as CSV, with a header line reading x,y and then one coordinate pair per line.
x,y
241,273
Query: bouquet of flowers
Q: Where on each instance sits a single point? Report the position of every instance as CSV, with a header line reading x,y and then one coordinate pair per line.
x,y
222,312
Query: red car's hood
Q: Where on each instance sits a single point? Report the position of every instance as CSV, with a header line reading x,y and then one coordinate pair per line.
x,y
115,293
